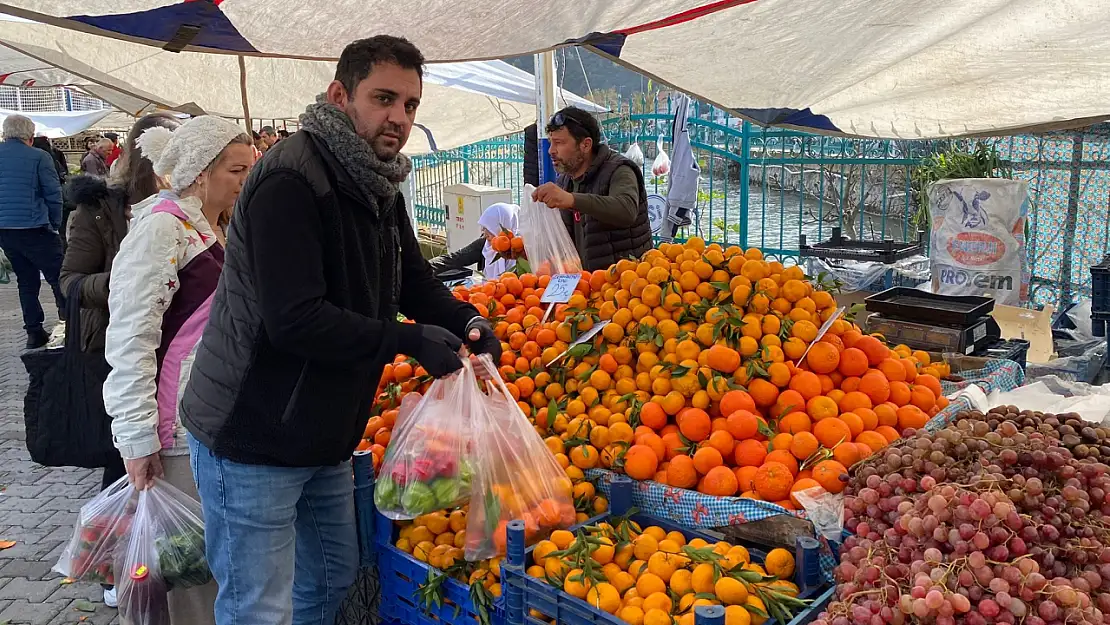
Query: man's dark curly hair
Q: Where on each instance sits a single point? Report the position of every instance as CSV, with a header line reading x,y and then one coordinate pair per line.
x,y
360,57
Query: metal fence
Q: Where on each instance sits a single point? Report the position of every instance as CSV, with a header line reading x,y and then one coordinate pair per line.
x,y
497,162
48,99
764,187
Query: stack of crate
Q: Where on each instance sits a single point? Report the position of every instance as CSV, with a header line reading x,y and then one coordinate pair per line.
x,y
1100,296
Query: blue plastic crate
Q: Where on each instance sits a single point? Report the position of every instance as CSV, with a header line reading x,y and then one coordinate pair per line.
x,y
400,575
523,592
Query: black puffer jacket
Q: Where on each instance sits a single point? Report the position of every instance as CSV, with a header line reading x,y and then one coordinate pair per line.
x,y
94,231
304,318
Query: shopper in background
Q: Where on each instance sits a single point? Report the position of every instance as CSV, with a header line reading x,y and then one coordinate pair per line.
x,y
95,230
159,295
94,162
601,192
496,218
115,151
56,156
269,137
30,218
257,144
320,261
531,155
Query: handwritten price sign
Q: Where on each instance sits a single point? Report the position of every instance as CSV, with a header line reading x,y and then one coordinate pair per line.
x,y
560,288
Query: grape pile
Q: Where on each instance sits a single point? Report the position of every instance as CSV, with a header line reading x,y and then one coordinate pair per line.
x,y
1001,517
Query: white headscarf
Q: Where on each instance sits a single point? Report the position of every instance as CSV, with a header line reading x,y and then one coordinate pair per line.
x,y
184,153
498,217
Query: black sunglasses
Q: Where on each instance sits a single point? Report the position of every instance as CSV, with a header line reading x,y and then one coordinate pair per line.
x,y
562,119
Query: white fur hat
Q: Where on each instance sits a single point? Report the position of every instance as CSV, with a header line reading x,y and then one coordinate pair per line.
x,y
182,154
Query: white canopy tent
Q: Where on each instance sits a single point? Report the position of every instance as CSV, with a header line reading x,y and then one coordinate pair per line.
x,y
890,68
463,102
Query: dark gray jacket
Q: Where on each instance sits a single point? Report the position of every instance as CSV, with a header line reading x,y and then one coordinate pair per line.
x,y
608,223
305,319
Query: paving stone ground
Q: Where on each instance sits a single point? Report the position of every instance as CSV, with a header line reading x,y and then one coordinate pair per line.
x,y
38,505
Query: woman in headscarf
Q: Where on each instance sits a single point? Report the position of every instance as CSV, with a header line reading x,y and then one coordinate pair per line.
x,y
495,219
160,293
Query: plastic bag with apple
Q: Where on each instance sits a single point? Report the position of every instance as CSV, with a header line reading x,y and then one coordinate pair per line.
x,y
428,465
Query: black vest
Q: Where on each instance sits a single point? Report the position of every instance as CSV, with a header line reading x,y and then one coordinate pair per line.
x,y
605,244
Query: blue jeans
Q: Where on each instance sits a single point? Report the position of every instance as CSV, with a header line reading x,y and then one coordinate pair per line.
x,y
34,250
281,541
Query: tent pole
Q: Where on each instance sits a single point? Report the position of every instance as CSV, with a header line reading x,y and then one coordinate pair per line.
x,y
243,93
545,108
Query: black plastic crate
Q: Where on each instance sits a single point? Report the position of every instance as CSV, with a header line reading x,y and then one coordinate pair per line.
x,y
932,337
1013,349
1100,286
958,311
887,252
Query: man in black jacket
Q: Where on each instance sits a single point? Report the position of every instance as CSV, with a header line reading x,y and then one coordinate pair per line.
x,y
320,260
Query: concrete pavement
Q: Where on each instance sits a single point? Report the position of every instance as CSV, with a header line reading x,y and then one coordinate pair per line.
x,y
38,505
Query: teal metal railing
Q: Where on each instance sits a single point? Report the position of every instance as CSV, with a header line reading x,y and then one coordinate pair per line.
x,y
764,187
496,162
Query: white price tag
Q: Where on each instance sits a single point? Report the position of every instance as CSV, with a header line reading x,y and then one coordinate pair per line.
x,y
560,288
588,335
591,333
824,328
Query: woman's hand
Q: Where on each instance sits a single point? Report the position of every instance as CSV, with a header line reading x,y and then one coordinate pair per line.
x,y
142,471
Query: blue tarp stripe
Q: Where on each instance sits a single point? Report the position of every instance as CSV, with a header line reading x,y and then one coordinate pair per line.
x,y
609,43
161,24
789,117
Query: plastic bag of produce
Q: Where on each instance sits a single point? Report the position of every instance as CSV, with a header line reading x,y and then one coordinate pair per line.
x,y
635,154
547,244
428,466
101,524
661,166
163,550
515,475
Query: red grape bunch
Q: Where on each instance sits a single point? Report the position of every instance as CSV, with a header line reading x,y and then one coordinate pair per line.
x,y
997,518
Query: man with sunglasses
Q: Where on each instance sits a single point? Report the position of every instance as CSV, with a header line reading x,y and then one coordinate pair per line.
x,y
601,192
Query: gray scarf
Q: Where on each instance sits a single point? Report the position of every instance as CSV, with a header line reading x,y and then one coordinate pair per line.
x,y
378,179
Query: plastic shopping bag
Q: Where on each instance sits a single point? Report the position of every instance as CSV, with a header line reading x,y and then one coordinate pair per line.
x,y
635,154
427,466
101,524
662,164
547,244
516,476
164,550
5,268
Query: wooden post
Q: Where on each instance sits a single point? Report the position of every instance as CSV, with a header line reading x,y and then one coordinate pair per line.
x,y
243,93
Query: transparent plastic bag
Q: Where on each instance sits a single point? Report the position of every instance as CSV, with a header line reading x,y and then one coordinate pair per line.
x,y
547,244
101,524
428,464
516,476
635,154
661,166
824,509
164,550
5,268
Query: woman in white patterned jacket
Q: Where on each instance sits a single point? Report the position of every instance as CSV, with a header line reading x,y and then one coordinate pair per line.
x,y
160,293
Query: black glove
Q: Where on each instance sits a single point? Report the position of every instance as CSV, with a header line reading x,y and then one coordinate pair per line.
x,y
435,348
486,343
